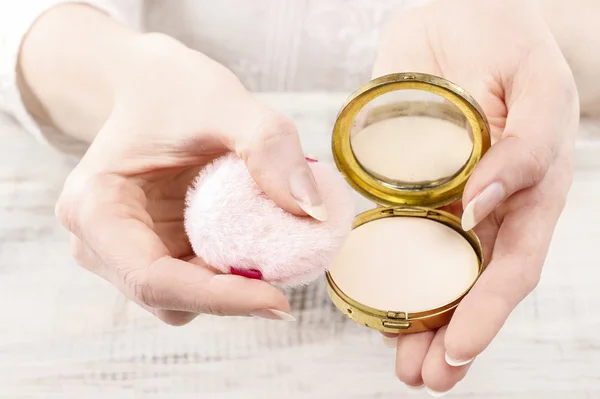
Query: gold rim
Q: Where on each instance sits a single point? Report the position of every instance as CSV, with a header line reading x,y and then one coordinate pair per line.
x,y
395,321
386,194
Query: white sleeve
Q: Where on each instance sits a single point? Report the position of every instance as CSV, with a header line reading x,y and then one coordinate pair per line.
x,y
16,18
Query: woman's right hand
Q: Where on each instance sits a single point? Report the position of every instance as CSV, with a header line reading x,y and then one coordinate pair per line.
x,y
175,110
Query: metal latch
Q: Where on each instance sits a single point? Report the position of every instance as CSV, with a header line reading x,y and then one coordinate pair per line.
x,y
397,320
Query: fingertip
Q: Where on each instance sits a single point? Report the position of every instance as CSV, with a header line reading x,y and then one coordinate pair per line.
x,y
274,157
484,203
465,341
304,190
264,302
410,355
459,345
483,311
241,295
440,377
272,314
456,363
468,221
174,318
436,394
415,387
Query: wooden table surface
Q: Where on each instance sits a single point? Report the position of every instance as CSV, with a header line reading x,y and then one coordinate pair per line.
x,y
65,333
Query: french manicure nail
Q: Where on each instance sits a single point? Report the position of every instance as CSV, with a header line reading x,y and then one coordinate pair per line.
x,y
482,205
272,314
413,388
436,394
457,363
390,342
304,190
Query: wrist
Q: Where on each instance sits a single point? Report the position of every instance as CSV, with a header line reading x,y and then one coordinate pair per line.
x,y
156,58
160,67
146,56
66,64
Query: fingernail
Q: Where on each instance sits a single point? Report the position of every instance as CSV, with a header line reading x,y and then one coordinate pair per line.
x,y
482,205
248,273
390,342
304,190
311,159
436,394
413,388
272,314
457,363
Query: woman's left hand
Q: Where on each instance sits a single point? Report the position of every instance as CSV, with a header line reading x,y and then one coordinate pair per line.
x,y
503,54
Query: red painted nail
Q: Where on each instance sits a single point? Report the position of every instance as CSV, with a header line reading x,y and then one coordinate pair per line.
x,y
310,160
248,273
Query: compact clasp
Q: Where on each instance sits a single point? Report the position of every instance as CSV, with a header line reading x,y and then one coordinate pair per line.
x,y
396,320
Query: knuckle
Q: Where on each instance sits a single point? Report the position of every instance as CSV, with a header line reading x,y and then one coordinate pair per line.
x,y
409,375
141,289
61,212
78,251
72,205
275,125
522,279
209,306
538,160
565,81
271,129
530,279
66,210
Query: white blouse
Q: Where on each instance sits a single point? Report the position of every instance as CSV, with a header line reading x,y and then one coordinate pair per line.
x,y
272,45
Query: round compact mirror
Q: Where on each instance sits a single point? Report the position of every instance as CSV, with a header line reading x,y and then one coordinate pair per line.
x,y
411,139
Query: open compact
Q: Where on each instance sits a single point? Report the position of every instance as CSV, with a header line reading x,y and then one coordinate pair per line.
x,y
407,142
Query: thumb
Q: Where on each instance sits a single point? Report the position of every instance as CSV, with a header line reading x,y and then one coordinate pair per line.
x,y
541,108
270,146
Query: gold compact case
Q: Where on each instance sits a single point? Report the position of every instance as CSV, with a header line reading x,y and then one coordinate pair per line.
x,y
408,142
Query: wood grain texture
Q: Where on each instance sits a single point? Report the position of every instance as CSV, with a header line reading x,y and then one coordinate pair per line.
x,y
65,333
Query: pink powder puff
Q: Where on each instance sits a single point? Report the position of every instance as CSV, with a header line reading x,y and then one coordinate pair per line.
x,y
236,228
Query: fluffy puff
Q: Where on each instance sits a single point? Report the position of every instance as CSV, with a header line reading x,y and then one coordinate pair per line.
x,y
231,223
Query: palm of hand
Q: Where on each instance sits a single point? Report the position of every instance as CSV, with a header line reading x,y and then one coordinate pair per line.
x,y
165,202
147,211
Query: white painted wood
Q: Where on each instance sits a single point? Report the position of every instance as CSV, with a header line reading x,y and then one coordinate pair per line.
x,y
65,333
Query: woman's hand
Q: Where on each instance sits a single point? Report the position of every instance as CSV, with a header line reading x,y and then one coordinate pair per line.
x,y
170,111
504,54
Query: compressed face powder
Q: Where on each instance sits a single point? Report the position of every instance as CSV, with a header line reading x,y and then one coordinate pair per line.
x,y
412,148
407,264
